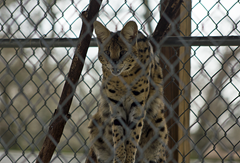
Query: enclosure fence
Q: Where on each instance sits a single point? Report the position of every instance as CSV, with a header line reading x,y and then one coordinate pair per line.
x,y
199,55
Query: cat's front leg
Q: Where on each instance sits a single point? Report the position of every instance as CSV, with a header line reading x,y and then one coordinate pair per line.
x,y
118,131
136,118
136,115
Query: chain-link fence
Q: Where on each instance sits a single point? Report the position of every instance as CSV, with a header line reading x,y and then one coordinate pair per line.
x,y
201,77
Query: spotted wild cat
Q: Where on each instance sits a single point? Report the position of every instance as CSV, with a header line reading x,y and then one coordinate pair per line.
x,y
129,125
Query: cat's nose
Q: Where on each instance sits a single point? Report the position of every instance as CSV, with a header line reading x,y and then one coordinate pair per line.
x,y
115,61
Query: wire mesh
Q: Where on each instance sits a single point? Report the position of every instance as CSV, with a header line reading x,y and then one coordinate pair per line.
x,y
32,78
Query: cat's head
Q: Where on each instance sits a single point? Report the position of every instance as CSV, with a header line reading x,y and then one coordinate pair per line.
x,y
117,51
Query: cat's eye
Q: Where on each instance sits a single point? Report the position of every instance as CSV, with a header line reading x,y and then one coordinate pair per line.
x,y
122,53
107,52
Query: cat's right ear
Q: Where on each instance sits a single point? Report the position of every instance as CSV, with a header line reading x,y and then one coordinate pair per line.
x,y
101,31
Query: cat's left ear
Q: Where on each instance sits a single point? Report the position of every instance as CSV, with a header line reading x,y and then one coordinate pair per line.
x,y
130,31
101,31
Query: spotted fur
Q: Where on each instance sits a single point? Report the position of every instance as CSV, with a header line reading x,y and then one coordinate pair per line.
x,y
129,125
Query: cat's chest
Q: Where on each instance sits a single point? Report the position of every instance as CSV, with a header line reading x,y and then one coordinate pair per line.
x,y
117,89
121,90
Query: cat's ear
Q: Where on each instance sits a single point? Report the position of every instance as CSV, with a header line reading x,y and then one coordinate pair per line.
x,y
130,31
101,31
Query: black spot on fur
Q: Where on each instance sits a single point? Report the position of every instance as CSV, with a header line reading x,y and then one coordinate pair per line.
x,y
135,93
100,140
137,137
140,124
159,76
117,122
162,129
127,142
133,105
158,120
148,131
132,125
137,70
115,101
146,89
117,135
112,91
165,137
144,50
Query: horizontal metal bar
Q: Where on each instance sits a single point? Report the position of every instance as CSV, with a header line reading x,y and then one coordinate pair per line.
x,y
167,41
202,41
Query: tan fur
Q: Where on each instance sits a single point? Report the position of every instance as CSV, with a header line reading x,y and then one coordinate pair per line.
x,y
129,125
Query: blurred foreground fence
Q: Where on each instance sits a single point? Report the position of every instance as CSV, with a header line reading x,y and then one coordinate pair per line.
x,y
200,58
